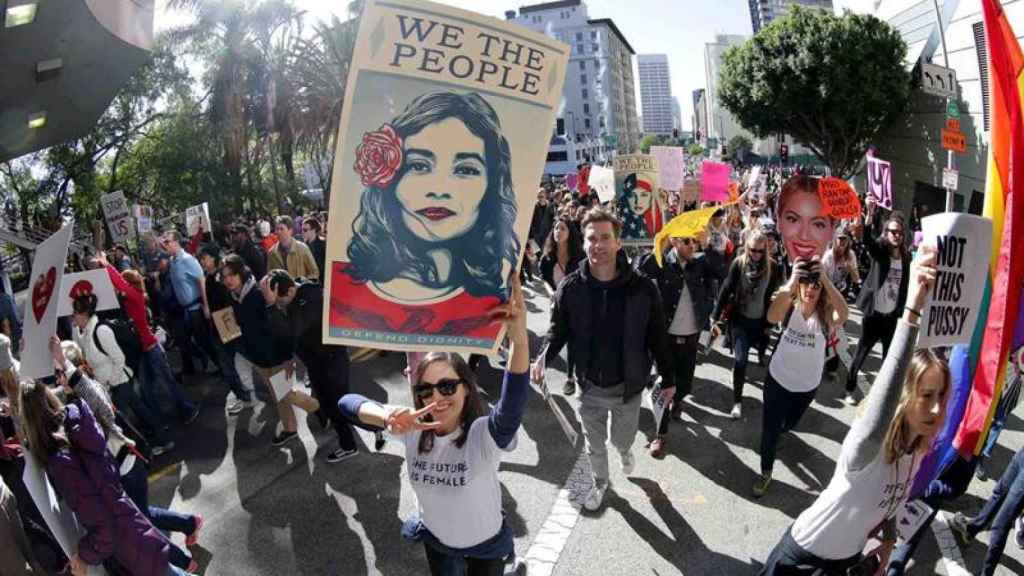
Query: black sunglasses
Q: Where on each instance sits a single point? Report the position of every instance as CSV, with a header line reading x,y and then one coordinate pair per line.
x,y
753,251
686,241
810,280
446,386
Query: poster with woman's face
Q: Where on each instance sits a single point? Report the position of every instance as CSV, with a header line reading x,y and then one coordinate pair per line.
x,y
442,142
640,203
804,221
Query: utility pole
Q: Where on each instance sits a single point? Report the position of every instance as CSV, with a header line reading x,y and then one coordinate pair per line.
x,y
950,160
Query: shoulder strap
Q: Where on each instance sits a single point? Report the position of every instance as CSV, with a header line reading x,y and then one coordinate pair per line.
x,y
96,338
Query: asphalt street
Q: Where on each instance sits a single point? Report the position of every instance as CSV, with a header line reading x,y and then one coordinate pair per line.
x,y
282,511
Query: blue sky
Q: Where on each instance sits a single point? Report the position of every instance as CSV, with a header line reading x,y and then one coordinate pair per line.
x,y
678,28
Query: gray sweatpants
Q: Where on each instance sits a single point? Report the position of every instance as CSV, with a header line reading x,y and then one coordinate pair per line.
x,y
596,405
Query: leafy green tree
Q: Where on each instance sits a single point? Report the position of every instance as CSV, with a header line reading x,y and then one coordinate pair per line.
x,y
695,149
832,83
739,146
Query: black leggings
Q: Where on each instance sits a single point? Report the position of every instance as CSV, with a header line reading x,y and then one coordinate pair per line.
x,y
789,559
473,566
782,412
877,328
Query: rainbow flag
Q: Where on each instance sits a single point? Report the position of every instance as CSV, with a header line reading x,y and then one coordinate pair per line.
x,y
980,368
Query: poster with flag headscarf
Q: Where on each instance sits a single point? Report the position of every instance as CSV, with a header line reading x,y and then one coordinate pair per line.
x,y
442,142
637,197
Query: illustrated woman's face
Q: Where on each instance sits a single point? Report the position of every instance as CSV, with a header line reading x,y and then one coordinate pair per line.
x,y
449,408
804,230
444,182
927,410
640,201
561,232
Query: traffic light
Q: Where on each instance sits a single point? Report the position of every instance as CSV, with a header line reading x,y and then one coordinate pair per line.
x,y
784,152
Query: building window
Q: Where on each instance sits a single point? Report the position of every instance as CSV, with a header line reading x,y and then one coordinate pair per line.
x,y
585,94
579,36
593,34
600,121
583,64
579,49
586,123
558,156
586,108
593,48
982,49
583,79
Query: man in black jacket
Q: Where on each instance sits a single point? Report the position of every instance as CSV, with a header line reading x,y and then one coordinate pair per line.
x,y
255,259
612,320
884,292
686,281
298,311
219,297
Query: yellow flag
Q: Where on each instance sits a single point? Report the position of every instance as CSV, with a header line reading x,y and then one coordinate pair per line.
x,y
686,225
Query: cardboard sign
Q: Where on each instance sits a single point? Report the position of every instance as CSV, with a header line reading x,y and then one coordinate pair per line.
x,y
690,193
41,309
755,176
435,92
144,218
119,218
196,217
226,323
660,398
571,179
715,182
602,181
638,199
671,166
964,244
838,198
94,281
880,181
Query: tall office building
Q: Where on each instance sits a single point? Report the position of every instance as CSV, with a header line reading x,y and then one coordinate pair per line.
x,y
600,94
762,12
655,93
677,115
721,126
700,115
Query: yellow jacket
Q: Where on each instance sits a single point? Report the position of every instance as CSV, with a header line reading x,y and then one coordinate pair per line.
x,y
299,261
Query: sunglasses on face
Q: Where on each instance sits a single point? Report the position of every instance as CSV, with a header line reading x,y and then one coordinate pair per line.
x,y
446,386
686,241
753,251
811,281
895,232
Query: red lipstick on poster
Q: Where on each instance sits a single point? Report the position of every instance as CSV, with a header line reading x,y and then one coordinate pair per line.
x,y
435,213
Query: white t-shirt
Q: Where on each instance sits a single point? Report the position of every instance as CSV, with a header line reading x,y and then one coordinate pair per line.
x,y
888,293
457,491
799,359
837,525
683,321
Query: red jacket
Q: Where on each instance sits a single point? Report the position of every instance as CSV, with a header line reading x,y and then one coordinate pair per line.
x,y
134,303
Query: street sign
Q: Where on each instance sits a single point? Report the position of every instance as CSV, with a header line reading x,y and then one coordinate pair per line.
x,y
938,81
952,124
954,141
952,109
950,179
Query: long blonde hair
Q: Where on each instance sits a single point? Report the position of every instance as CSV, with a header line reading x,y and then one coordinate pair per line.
x,y
754,237
897,438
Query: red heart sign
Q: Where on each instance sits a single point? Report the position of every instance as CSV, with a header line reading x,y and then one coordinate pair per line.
x,y
42,290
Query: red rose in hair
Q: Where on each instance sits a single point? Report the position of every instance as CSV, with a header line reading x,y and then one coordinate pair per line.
x,y
379,157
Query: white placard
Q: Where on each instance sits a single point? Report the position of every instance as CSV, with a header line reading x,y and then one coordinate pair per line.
x,y
660,398
911,518
60,519
196,216
880,181
964,244
755,176
41,307
144,218
119,218
100,284
602,181
950,179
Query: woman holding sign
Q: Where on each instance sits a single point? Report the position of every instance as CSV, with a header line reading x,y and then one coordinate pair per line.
x,y
453,448
875,471
434,237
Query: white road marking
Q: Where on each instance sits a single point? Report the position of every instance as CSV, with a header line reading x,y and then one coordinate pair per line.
x,y
549,543
951,556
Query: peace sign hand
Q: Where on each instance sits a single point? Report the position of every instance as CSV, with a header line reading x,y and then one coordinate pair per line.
x,y
404,420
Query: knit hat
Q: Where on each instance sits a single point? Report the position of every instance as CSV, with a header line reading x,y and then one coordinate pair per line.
x,y
7,360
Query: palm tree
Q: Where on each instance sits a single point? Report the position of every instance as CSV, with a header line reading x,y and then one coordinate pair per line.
x,y
228,35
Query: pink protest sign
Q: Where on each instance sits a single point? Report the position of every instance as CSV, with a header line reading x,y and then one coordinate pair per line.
x,y
570,180
715,180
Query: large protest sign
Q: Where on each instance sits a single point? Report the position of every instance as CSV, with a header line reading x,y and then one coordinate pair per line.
x,y
440,148
807,211
640,206
58,517
144,218
197,217
964,244
41,308
671,166
880,181
714,182
602,181
118,216
90,282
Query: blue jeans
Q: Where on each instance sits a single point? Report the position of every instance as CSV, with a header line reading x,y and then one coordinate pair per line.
x,y
226,361
155,368
124,396
136,486
746,334
999,512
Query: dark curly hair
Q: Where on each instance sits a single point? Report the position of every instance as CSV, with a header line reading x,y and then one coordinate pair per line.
x,y
383,248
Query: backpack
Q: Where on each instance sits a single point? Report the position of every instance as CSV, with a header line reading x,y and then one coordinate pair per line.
x,y
127,340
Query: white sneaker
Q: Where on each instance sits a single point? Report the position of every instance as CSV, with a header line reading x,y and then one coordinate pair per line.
x,y
849,399
595,497
628,463
737,411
